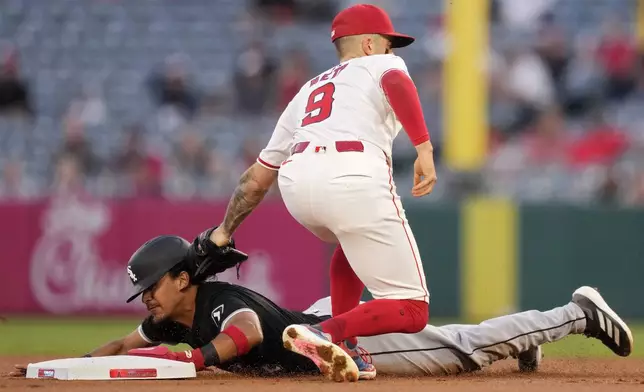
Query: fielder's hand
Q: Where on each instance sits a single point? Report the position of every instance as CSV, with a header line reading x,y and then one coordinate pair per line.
x,y
212,258
19,371
424,171
219,237
205,245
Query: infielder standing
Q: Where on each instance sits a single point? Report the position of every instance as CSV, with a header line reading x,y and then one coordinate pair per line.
x,y
238,330
331,154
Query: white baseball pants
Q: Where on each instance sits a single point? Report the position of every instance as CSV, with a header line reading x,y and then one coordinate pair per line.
x,y
349,197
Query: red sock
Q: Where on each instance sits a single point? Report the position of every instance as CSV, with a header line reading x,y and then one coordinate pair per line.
x,y
378,317
346,287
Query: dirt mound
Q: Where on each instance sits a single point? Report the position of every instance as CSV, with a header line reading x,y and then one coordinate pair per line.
x,y
554,375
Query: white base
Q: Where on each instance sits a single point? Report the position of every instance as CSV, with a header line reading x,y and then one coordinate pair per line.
x,y
120,367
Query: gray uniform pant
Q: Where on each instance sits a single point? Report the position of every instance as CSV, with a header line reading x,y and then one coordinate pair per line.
x,y
457,348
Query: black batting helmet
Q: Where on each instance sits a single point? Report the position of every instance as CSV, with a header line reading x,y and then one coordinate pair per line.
x,y
154,259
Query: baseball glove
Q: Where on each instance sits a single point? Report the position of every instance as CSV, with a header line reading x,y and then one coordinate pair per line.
x,y
212,259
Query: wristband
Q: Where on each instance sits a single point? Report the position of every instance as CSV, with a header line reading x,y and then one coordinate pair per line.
x,y
210,355
239,338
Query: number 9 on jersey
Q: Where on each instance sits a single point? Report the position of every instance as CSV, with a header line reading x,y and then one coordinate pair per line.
x,y
319,105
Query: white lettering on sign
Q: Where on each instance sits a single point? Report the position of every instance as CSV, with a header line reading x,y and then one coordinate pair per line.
x,y
255,275
67,273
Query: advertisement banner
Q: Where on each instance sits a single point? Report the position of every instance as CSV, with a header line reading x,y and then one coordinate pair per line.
x,y
68,255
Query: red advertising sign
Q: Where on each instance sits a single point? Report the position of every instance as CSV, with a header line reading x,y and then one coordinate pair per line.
x,y
68,256
133,373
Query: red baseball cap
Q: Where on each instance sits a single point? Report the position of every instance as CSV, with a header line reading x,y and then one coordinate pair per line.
x,y
367,19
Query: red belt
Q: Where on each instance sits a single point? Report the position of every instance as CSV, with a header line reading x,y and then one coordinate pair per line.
x,y
340,146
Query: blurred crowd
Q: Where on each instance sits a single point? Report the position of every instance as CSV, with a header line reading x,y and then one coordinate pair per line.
x,y
565,104
566,108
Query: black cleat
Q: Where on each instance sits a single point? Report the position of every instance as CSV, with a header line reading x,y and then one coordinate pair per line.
x,y
602,322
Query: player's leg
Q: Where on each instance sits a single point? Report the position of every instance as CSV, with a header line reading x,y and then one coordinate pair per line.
x,y
509,336
355,195
587,314
296,189
346,287
365,214
428,352
398,305
370,223
299,186
346,290
457,348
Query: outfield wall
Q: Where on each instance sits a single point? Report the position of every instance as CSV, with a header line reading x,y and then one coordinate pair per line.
x,y
68,256
482,258
488,257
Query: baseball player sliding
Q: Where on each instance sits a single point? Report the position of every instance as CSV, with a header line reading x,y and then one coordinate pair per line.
x,y
239,330
331,155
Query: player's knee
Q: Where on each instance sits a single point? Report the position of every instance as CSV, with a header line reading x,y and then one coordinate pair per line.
x,y
417,315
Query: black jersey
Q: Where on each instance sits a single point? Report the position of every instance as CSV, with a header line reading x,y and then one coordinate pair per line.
x,y
217,301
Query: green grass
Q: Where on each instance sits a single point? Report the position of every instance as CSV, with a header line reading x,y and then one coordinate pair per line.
x,y
71,336
582,347
65,336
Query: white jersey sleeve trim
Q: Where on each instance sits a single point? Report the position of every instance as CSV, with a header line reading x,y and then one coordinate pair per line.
x,y
236,312
144,337
266,164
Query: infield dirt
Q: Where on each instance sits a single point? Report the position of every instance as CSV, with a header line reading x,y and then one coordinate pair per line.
x,y
578,375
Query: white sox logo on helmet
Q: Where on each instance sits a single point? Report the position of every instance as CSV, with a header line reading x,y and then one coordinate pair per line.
x,y
133,277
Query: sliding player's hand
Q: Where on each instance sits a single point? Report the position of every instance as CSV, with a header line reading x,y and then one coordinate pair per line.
x,y
19,371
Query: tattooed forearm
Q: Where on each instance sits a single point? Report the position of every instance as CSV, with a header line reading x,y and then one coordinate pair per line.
x,y
248,194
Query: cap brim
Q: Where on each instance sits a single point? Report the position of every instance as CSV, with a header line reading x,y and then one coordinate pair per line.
x,y
144,285
137,291
400,40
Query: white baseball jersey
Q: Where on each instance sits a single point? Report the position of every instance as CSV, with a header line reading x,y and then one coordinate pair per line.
x,y
346,102
349,197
